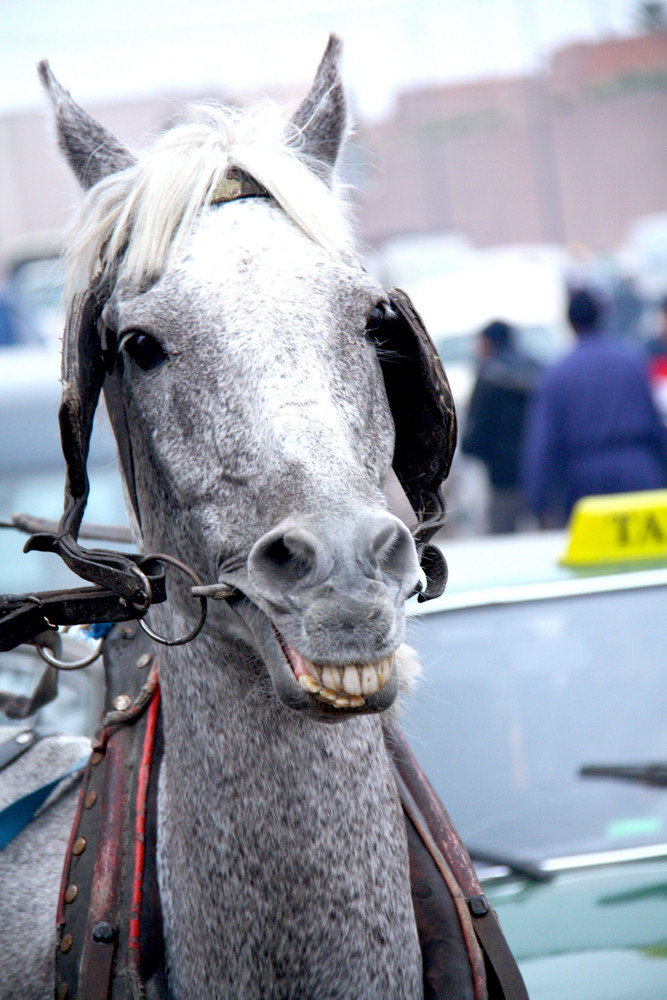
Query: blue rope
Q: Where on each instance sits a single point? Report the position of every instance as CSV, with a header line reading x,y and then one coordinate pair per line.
x,y
99,630
16,817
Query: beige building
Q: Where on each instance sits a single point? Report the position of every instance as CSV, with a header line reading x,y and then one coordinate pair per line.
x,y
572,156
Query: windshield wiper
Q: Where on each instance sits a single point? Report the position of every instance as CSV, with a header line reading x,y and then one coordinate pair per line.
x,y
518,866
642,774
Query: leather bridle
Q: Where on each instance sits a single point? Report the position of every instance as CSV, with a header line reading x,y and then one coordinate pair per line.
x,y
125,585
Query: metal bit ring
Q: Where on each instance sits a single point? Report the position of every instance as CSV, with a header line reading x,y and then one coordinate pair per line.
x,y
53,661
182,640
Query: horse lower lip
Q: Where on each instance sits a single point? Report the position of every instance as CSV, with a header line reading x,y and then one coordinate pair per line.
x,y
341,686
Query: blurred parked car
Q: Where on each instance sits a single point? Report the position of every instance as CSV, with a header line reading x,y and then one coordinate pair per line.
x,y
645,252
32,294
32,479
534,671
411,258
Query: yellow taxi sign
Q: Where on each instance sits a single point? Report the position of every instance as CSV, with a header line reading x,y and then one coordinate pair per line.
x,y
623,527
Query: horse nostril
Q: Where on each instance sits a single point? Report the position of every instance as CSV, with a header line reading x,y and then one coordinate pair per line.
x,y
385,544
284,558
293,557
389,547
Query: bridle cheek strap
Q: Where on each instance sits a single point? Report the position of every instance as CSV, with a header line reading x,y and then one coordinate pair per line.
x,y
84,370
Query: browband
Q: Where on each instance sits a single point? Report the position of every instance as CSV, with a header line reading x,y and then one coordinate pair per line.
x,y
237,184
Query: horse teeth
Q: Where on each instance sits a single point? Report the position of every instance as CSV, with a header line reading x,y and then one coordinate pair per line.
x,y
351,680
384,671
345,686
332,678
316,671
309,683
328,694
370,682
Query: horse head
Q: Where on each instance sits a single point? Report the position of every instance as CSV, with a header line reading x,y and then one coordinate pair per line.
x,y
260,385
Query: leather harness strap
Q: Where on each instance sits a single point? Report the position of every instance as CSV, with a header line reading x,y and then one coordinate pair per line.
x,y
498,976
102,897
430,871
17,745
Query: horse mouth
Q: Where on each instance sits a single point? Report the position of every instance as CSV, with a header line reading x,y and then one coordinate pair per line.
x,y
328,692
338,686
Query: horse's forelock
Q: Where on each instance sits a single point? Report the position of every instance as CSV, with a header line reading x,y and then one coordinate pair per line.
x,y
131,223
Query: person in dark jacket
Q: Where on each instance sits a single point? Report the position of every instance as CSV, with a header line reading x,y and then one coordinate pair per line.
x,y
494,425
656,347
593,427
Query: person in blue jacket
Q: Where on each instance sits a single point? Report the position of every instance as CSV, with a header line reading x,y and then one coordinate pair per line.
x,y
593,427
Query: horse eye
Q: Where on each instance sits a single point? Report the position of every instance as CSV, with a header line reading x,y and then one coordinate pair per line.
x,y
143,349
375,319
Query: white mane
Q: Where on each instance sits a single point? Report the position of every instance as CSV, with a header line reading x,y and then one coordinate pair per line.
x,y
133,221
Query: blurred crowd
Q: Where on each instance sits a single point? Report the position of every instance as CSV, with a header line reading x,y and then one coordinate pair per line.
x,y
592,423
8,322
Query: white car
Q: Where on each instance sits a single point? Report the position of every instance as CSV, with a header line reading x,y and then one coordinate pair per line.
x,y
542,723
32,479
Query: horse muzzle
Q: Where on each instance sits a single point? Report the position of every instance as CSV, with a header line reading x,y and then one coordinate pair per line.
x,y
326,609
320,690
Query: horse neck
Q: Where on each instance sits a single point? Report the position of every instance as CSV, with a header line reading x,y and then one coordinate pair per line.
x,y
281,823
219,706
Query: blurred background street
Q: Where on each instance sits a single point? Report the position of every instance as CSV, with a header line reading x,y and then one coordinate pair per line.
x,y
509,171
504,151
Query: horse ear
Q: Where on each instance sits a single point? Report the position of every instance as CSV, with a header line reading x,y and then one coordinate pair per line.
x,y
321,120
92,152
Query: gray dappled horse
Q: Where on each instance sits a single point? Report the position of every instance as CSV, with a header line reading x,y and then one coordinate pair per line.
x,y
256,440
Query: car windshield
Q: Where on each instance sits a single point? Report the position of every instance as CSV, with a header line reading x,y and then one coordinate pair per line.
x,y
515,699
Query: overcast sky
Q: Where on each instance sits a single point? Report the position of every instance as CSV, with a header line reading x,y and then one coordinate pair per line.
x,y
107,48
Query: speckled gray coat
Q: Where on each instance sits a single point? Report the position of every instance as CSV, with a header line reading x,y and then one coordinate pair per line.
x,y
261,439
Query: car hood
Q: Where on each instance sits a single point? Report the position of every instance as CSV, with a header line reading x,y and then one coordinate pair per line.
x,y
593,933
607,974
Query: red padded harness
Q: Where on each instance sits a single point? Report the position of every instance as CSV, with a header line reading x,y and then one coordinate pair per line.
x,y
108,892
140,812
